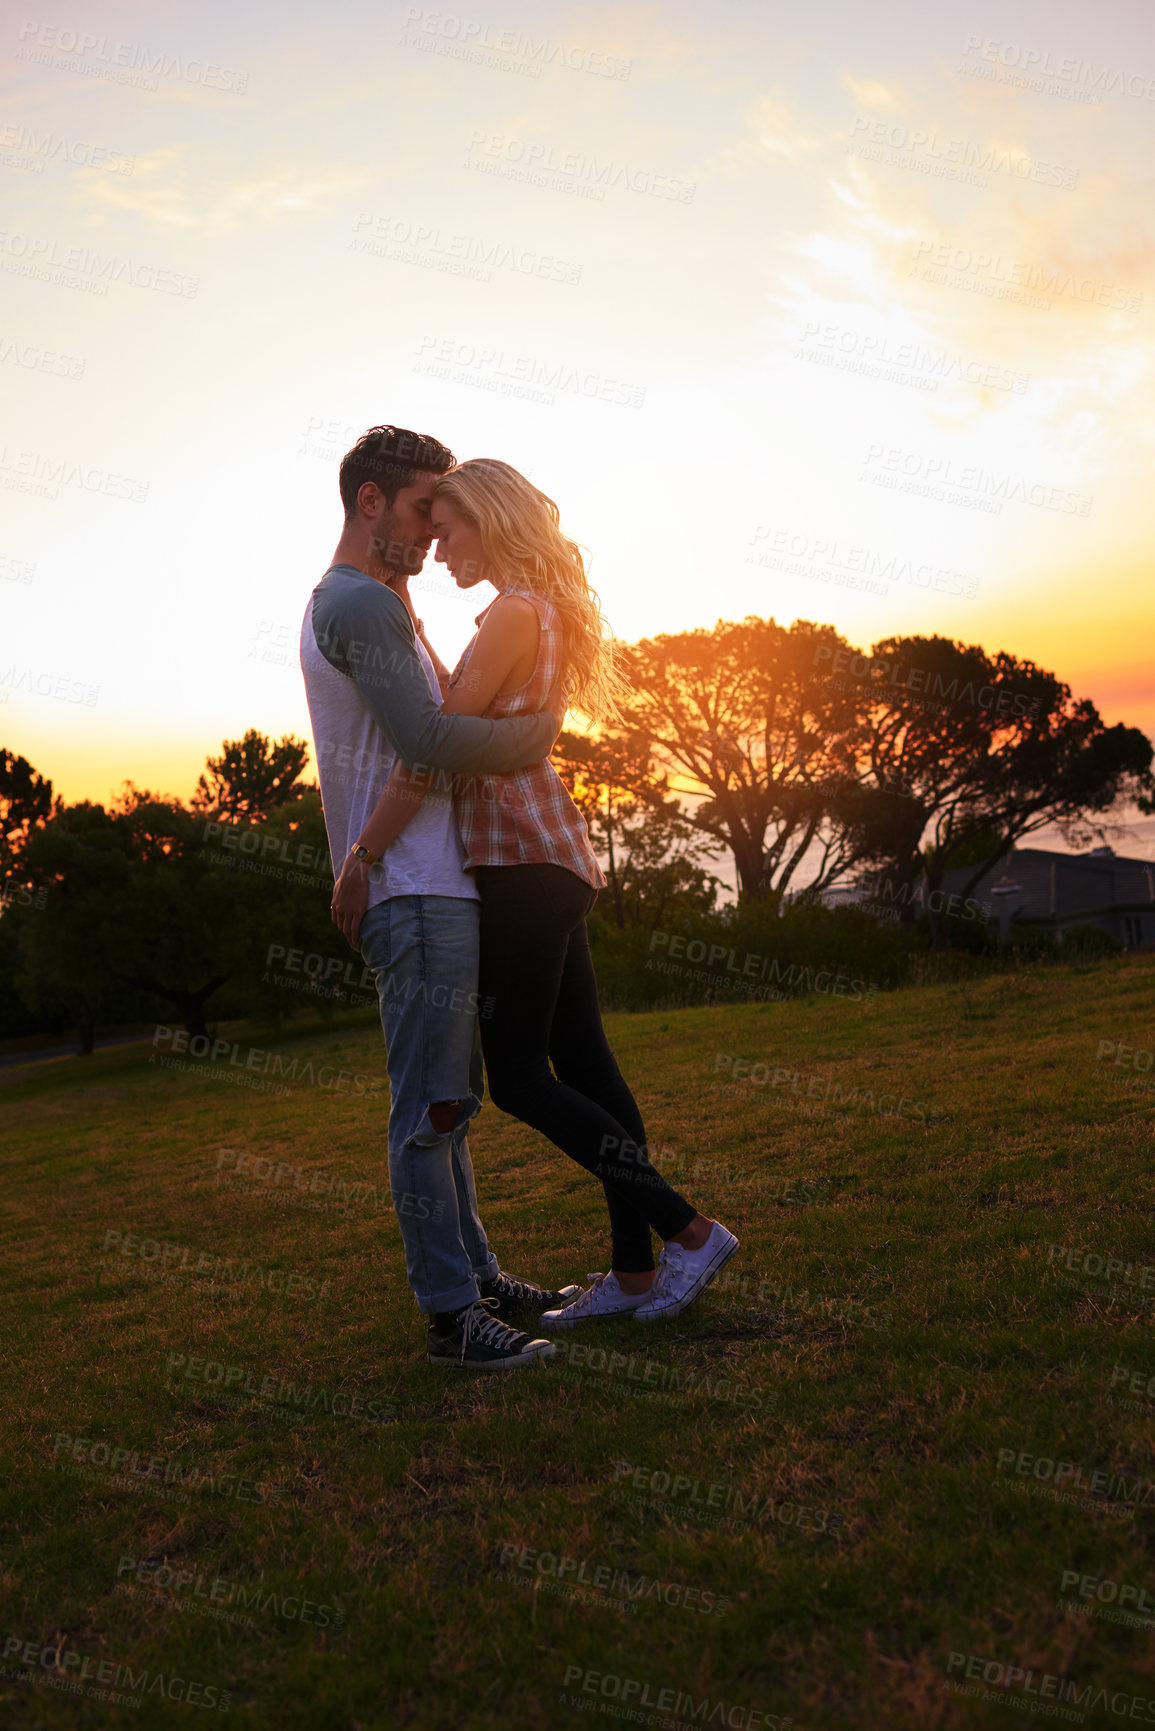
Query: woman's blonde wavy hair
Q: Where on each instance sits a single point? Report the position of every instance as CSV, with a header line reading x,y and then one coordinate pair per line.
x,y
521,537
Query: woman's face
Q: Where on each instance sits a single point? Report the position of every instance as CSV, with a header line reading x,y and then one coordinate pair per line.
x,y
459,546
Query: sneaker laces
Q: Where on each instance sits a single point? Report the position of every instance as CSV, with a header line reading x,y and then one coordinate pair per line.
x,y
487,1329
520,1291
671,1263
584,1299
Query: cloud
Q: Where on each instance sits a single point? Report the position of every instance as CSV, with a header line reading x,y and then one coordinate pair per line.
x,y
871,94
777,129
164,192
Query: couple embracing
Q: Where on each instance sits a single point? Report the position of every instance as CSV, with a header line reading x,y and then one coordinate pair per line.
x,y
464,875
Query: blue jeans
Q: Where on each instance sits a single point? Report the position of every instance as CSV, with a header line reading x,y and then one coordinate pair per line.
x,y
423,952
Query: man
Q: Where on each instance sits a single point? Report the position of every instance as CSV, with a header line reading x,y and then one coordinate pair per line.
x,y
370,681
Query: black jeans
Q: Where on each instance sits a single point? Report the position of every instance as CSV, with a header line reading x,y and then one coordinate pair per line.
x,y
536,969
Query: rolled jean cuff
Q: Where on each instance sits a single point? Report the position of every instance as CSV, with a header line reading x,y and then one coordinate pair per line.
x,y
455,1299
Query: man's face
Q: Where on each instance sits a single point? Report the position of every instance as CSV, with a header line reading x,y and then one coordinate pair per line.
x,y
402,533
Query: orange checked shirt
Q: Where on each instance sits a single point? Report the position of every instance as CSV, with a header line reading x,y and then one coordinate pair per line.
x,y
525,816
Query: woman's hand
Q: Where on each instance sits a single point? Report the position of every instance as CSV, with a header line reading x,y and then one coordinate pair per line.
x,y
350,896
399,583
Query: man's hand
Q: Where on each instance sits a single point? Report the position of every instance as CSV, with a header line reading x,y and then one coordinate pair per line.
x,y
350,896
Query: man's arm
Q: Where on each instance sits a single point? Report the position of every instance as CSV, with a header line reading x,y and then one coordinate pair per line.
x,y
364,631
509,633
439,666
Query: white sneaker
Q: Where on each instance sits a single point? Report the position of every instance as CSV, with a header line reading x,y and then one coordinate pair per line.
x,y
684,1274
603,1298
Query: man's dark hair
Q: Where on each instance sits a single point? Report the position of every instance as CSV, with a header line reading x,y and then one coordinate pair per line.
x,y
393,457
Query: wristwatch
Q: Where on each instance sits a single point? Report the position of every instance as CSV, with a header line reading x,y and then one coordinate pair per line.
x,y
362,853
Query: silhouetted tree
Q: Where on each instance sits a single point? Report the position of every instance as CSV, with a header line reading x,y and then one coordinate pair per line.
x,y
73,948
736,713
252,776
649,850
25,802
986,749
142,902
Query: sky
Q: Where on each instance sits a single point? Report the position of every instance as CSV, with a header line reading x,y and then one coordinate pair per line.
x,y
813,312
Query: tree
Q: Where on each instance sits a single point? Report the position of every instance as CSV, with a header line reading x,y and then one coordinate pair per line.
x,y
987,748
25,802
184,921
295,913
72,949
648,849
129,909
204,918
763,745
140,902
659,879
252,776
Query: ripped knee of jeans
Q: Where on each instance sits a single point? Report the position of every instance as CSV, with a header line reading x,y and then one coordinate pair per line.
x,y
443,1115
443,1118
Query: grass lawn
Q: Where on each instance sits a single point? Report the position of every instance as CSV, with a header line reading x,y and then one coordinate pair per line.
x,y
901,1450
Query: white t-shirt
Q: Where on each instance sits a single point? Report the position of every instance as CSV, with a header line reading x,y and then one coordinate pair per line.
x,y
354,761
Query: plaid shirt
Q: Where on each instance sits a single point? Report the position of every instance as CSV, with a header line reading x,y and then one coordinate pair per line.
x,y
525,816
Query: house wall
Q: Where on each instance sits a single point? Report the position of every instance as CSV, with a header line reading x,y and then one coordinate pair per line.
x,y
1064,890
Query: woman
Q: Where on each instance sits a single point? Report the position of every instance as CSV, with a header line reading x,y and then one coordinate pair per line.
x,y
538,879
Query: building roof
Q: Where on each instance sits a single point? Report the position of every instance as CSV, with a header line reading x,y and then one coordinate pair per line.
x,y
1065,886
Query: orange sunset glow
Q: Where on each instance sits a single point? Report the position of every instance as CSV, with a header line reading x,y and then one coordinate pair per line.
x,y
804,315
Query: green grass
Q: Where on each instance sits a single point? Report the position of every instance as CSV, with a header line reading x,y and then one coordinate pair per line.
x,y
896,1317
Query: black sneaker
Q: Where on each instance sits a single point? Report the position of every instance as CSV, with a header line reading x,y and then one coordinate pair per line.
x,y
515,1296
475,1338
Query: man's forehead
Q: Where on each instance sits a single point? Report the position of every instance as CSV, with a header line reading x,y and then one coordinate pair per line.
x,y
418,490
413,486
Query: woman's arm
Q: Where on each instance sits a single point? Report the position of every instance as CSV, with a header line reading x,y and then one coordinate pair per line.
x,y
504,656
507,640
